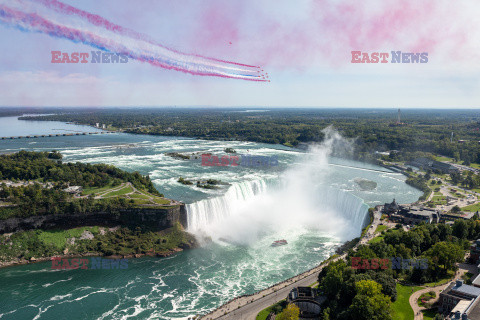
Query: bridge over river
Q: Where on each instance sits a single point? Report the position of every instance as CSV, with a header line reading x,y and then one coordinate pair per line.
x,y
56,135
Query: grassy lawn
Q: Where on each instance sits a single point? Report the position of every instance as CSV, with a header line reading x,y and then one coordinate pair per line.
x,y
429,314
141,201
59,237
426,297
475,165
262,315
160,200
401,307
442,158
91,190
137,195
381,228
472,208
467,277
376,239
120,192
444,280
437,198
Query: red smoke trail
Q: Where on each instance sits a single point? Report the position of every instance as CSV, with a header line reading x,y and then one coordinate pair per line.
x,y
100,33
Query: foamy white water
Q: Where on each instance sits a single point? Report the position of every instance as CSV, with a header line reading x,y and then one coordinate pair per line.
x,y
306,200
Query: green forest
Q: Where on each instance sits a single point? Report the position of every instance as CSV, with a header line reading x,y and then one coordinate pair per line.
x,y
452,133
368,293
50,177
122,241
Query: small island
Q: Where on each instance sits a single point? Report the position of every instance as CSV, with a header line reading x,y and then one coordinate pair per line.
x,y
203,183
365,184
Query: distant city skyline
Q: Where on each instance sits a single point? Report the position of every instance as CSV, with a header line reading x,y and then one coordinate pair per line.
x,y
305,47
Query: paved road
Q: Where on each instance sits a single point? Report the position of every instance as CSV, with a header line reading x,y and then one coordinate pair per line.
x,y
461,202
250,310
247,308
463,268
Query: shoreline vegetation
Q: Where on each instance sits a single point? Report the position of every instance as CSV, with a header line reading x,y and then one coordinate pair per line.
x,y
43,245
444,246
374,130
37,188
419,136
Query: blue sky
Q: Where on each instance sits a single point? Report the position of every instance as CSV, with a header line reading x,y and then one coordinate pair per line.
x,y
305,46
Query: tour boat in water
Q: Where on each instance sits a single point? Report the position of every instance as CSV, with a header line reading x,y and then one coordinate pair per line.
x,y
278,243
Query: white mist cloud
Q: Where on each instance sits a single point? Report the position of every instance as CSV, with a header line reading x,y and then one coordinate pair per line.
x,y
303,202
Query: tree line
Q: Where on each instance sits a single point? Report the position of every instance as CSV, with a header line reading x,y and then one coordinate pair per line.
x,y
373,129
48,167
50,177
367,294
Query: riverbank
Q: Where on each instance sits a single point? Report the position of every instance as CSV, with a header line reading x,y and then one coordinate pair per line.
x,y
426,200
211,261
174,240
163,254
248,306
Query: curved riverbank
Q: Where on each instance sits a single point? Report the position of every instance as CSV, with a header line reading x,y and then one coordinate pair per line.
x,y
197,281
161,254
248,306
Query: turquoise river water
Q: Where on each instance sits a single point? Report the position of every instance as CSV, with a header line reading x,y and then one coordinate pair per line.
x,y
310,199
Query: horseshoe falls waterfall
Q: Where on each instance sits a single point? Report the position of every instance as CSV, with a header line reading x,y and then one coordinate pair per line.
x,y
301,198
202,213
310,199
248,204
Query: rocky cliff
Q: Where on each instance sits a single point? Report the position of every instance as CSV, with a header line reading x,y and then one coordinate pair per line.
x,y
148,218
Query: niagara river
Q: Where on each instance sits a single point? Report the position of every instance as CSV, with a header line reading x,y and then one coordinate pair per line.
x,y
310,199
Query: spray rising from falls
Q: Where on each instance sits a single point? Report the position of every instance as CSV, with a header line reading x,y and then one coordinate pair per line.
x,y
60,20
302,199
204,213
251,209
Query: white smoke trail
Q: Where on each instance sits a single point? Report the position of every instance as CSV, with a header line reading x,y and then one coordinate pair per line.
x,y
60,20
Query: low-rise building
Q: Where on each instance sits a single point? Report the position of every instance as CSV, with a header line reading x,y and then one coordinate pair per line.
x,y
454,216
411,215
458,294
74,189
475,252
428,164
391,208
307,300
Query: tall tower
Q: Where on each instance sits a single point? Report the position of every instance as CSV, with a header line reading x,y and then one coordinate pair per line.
x,y
398,117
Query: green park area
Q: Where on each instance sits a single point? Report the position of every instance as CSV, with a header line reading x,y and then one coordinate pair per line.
x,y
429,314
443,158
276,308
401,307
120,192
92,190
58,238
381,228
128,192
472,208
